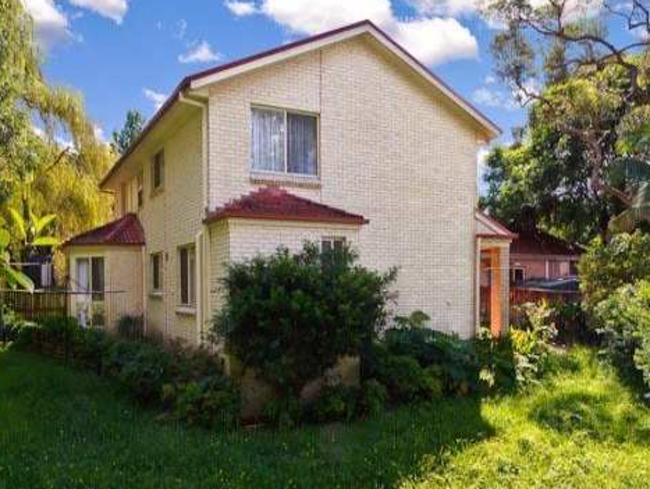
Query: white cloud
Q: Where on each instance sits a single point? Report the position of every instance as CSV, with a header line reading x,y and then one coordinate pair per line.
x,y
201,53
313,16
431,39
436,40
241,9
99,133
50,24
445,7
492,97
112,9
157,98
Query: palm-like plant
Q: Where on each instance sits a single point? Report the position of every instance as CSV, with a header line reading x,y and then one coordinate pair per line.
x,y
32,231
633,175
9,276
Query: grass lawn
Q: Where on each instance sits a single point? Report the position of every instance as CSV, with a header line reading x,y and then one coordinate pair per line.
x,y
61,428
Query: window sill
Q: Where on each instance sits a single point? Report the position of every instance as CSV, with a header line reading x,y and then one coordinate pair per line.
x,y
156,294
290,179
186,310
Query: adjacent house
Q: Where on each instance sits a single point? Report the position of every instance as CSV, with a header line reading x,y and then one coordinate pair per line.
x,y
341,137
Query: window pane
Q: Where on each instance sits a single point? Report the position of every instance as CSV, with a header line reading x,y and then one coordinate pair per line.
x,y
301,143
155,270
267,140
191,276
184,274
98,279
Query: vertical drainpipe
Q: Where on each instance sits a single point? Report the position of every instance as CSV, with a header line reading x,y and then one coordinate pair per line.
x,y
202,277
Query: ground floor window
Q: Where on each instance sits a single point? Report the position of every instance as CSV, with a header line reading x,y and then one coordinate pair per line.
x,y
332,243
187,264
90,288
517,275
156,272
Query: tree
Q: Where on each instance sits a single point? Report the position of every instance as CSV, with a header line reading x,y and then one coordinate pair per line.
x,y
124,138
8,274
595,99
40,174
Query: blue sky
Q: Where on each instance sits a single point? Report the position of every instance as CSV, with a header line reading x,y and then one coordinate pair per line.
x,y
122,54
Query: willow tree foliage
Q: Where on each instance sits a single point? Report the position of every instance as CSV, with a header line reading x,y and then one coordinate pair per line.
x,y
590,101
50,157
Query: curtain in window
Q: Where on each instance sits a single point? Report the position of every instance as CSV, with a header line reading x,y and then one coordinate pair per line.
x,y
267,145
302,145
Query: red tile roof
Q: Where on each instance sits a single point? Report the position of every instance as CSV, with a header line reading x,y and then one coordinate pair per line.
x,y
539,243
496,229
125,231
274,203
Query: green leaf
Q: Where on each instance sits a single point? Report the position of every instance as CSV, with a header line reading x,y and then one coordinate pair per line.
x,y
46,241
19,222
5,238
43,222
19,278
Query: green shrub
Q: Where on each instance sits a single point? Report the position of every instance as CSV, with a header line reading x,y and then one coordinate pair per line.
x,y
373,396
605,267
531,342
130,327
141,368
406,381
283,412
291,316
210,402
335,403
455,358
624,319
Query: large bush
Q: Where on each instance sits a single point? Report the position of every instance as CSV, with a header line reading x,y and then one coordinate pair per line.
x,y
605,267
290,316
624,319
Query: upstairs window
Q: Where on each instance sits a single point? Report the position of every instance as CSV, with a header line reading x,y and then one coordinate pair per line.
x,y
284,142
139,182
158,171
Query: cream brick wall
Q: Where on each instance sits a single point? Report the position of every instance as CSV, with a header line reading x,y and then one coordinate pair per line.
x,y
172,218
390,149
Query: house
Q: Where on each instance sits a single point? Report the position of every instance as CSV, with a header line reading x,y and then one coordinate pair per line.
x,y
340,137
536,255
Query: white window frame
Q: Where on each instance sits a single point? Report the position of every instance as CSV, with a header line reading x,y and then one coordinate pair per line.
x,y
286,113
191,276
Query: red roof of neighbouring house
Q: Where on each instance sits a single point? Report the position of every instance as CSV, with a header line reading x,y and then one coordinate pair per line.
x,y
125,231
277,204
536,242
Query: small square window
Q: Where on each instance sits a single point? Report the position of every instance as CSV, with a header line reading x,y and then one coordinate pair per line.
x,y
158,171
156,272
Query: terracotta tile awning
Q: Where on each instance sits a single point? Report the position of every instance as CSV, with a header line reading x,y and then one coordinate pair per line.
x,y
488,227
272,203
125,231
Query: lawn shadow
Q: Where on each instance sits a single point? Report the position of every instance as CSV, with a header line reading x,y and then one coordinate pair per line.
x,y
383,451
598,416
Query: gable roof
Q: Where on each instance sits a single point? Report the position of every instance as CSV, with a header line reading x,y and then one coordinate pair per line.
x,y
200,79
125,231
540,243
488,227
274,203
